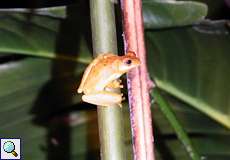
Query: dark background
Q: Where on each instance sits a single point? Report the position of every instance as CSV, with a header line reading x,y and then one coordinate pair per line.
x,y
32,3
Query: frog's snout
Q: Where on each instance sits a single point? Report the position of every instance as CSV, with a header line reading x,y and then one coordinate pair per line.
x,y
138,62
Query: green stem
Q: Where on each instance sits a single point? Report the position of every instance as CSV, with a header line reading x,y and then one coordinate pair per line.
x,y
109,118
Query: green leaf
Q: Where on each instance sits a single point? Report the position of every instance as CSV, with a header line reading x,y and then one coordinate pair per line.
x,y
212,148
157,14
216,9
23,80
36,93
194,121
44,37
40,34
170,115
163,14
192,64
55,12
207,136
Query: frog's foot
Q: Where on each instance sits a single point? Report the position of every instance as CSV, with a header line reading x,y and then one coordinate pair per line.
x,y
115,84
103,98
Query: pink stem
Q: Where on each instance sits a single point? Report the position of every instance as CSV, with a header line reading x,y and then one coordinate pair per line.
x,y
139,82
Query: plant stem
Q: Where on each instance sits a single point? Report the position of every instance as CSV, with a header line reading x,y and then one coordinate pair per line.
x,y
138,82
109,118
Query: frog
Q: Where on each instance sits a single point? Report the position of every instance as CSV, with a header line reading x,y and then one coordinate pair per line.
x,y
101,77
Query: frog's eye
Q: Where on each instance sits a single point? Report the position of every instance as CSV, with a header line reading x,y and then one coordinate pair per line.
x,y
128,61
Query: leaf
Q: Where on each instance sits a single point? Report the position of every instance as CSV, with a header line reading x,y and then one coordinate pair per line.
x,y
157,14
23,81
193,121
40,33
164,14
49,37
36,93
193,65
212,148
206,135
170,115
216,9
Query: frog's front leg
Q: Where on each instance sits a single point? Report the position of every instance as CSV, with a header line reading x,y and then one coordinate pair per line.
x,y
103,98
115,84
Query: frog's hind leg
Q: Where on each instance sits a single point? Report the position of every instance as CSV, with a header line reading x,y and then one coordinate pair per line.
x,y
103,98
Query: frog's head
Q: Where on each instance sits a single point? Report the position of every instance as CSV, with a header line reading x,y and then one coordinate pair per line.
x,y
128,62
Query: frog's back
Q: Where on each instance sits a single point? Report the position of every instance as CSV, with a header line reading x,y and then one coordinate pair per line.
x,y
89,68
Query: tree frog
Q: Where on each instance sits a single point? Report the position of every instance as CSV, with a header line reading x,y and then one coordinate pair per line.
x,y
101,76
